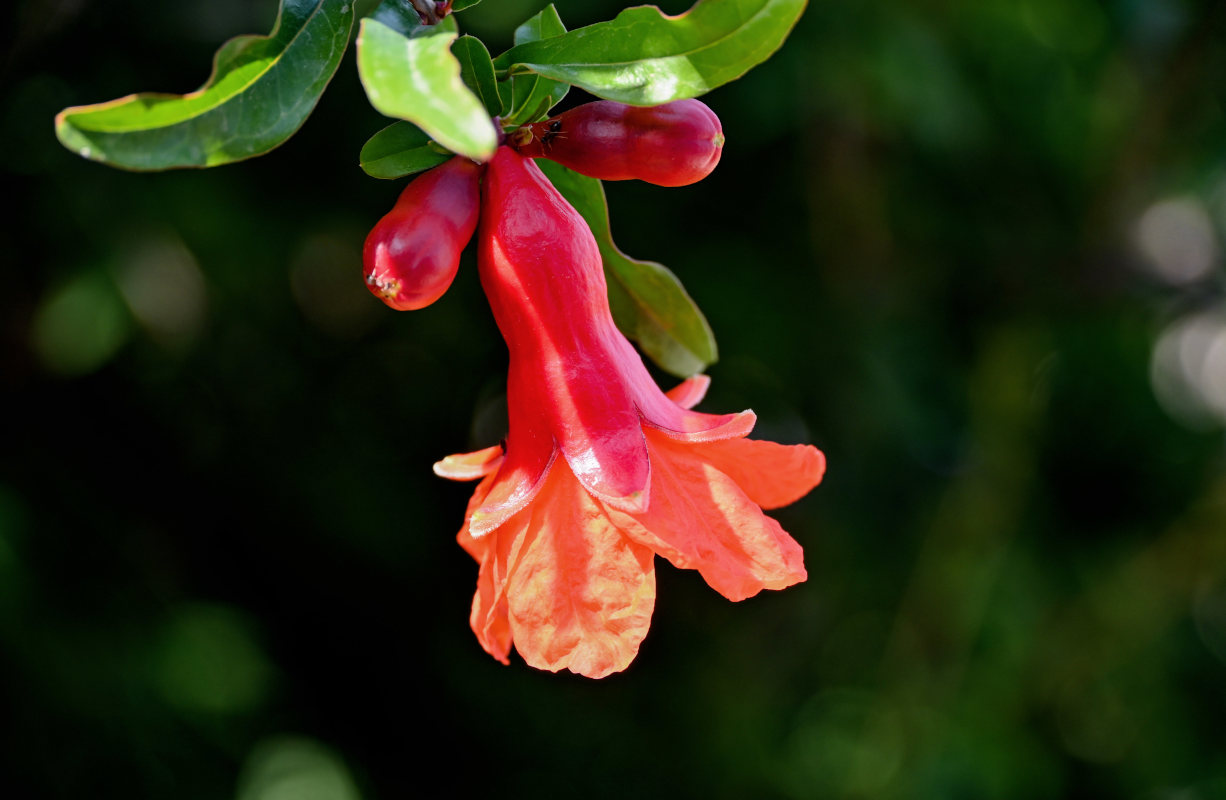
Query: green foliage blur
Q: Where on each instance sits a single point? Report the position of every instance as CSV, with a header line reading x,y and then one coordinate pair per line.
x,y
972,249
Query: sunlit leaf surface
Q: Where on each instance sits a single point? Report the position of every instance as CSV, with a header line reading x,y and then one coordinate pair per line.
x,y
261,90
416,77
645,57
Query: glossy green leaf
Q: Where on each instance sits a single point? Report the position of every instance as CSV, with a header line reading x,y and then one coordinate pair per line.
x,y
400,149
477,72
415,77
460,5
261,91
648,302
529,96
644,57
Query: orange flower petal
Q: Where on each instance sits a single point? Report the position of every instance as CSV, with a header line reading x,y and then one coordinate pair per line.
x,y
700,519
488,617
581,594
497,554
771,474
469,466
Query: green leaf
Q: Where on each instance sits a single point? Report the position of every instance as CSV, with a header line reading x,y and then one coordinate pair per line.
x,y
648,302
460,5
643,57
477,72
400,149
530,96
544,25
416,78
261,91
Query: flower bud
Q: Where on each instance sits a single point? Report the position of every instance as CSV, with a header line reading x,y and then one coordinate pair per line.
x,y
674,144
412,254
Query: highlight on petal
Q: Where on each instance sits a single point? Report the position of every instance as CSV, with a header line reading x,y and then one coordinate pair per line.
x,y
470,466
700,519
580,595
475,547
515,485
771,474
690,391
615,469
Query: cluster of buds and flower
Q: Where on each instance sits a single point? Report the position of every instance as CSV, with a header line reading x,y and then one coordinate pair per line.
x,y
600,470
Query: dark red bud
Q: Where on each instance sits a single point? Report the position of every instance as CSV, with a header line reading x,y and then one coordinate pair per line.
x,y
674,144
412,254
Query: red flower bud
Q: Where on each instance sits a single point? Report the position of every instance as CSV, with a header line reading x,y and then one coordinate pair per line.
x,y
412,254
674,144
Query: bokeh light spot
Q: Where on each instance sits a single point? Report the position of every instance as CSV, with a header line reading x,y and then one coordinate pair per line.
x,y
295,768
1176,238
162,284
210,662
1188,370
79,327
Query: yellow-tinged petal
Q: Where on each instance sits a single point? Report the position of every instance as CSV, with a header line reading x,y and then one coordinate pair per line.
x,y
700,519
473,546
470,466
771,474
581,594
519,477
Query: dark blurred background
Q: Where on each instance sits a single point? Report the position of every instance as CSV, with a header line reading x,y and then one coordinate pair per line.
x,y
972,249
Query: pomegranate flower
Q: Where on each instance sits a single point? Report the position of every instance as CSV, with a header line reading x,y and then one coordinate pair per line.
x,y
601,470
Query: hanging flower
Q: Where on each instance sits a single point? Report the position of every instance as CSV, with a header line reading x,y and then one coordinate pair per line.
x,y
601,471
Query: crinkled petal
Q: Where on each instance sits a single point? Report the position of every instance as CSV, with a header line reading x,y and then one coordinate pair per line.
x,y
469,466
488,617
497,555
770,474
700,519
690,391
580,594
